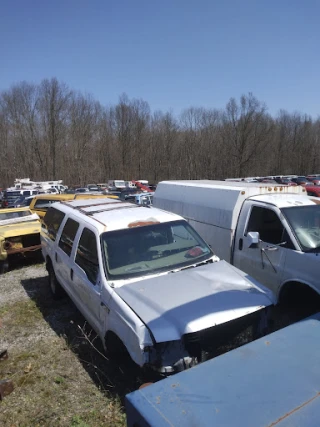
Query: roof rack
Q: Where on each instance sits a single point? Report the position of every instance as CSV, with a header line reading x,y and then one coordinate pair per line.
x,y
91,213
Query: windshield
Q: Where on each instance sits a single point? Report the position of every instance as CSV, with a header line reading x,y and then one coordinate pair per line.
x,y
119,184
138,251
305,224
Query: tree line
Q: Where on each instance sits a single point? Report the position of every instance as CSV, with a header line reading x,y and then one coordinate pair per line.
x,y
49,131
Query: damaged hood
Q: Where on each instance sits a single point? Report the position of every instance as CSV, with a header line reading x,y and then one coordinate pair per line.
x,y
194,299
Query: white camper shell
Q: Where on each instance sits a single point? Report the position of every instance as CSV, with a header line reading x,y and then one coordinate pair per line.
x,y
272,232
213,203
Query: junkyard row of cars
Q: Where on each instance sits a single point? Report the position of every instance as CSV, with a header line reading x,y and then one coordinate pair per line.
x,y
170,283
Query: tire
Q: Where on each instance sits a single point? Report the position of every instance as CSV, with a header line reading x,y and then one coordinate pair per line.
x,y
56,289
4,267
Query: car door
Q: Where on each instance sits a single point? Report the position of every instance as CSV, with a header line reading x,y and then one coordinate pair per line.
x,y
86,277
264,261
63,258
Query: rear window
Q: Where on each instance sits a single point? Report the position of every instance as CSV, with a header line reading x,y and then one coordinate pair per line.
x,y
52,221
12,194
67,236
14,215
43,204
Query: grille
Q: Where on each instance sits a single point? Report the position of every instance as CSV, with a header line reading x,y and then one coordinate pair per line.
x,y
211,339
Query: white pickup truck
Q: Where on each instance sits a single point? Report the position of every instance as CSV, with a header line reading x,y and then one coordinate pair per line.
x,y
269,231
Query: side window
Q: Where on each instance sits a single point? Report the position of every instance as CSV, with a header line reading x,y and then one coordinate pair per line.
x,y
87,256
26,193
52,222
269,226
67,236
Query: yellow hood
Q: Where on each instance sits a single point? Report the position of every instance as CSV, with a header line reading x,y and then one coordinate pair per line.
x,y
20,229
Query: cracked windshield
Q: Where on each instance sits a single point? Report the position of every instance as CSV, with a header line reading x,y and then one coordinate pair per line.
x,y
153,248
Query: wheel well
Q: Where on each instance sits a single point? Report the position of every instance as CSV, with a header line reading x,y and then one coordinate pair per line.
x,y
112,338
298,293
115,347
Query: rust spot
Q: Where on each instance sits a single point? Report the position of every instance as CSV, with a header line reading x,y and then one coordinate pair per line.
x,y
316,201
144,385
294,410
174,385
158,400
142,223
267,342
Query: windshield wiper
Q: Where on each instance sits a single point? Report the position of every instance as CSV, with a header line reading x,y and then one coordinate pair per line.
x,y
208,261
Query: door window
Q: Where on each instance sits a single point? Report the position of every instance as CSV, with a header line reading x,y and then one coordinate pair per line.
x,y
87,255
52,222
267,223
67,236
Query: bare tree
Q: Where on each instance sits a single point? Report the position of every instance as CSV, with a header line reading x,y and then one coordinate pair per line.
x,y
246,130
54,103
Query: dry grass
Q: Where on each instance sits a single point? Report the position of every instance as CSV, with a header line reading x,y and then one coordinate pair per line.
x,y
59,378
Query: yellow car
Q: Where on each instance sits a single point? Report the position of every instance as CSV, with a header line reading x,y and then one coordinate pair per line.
x,y
40,204
19,234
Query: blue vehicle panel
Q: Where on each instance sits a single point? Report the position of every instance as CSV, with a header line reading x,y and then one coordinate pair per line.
x,y
273,381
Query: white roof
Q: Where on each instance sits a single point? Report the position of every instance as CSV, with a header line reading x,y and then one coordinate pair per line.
x,y
251,188
216,202
286,200
111,214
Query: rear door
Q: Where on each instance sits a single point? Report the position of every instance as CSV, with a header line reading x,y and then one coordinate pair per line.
x,y
64,256
87,276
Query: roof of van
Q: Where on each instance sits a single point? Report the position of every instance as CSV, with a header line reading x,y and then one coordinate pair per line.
x,y
286,200
218,202
251,187
111,214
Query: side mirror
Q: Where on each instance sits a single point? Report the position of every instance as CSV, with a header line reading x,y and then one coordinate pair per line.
x,y
253,239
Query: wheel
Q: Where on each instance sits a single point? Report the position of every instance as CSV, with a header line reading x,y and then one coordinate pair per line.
x,y
56,288
4,267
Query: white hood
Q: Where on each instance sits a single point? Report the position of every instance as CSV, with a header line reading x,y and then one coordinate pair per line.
x,y
194,299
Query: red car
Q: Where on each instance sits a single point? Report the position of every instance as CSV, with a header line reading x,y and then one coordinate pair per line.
x,y
314,179
313,190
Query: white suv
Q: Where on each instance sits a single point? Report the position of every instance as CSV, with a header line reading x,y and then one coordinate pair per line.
x,y
147,282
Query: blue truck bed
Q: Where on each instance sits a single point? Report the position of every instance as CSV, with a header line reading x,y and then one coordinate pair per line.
x,y
273,381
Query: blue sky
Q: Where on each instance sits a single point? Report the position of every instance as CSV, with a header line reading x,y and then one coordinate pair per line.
x,y
172,53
